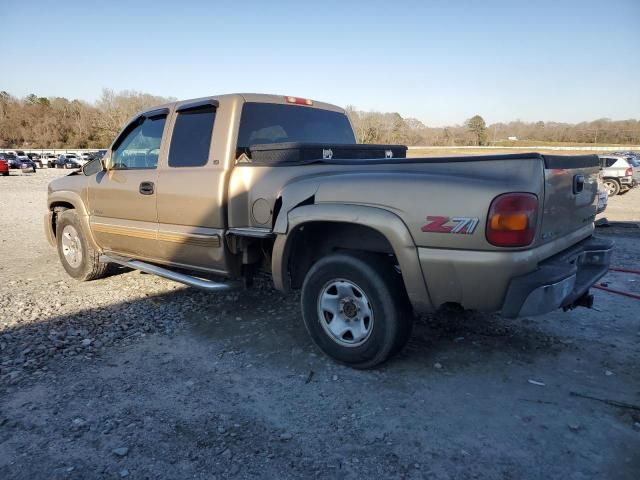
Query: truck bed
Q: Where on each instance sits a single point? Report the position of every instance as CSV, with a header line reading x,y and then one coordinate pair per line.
x,y
291,154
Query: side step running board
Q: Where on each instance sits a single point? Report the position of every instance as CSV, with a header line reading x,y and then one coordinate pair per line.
x,y
208,285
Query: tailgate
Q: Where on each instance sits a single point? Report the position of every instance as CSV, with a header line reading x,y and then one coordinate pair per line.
x,y
570,194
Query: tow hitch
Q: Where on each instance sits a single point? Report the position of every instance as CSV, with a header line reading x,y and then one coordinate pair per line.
x,y
586,300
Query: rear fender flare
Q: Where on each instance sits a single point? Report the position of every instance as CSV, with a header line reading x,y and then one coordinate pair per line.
x,y
385,222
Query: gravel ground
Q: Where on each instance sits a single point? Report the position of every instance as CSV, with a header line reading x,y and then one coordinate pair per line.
x,y
134,376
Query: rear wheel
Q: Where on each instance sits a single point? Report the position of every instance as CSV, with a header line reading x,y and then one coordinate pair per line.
x,y
612,186
77,255
355,309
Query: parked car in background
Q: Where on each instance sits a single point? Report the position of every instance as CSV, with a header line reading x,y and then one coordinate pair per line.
x,y
49,159
617,173
634,161
12,159
628,153
4,165
603,195
99,154
35,158
21,154
27,165
68,160
96,154
81,158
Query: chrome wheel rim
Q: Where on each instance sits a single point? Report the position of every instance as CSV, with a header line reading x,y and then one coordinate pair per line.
x,y
71,246
345,313
610,188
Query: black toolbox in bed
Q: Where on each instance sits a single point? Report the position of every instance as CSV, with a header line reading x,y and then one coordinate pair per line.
x,y
299,153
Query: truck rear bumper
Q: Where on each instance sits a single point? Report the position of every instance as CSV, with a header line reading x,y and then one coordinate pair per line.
x,y
558,281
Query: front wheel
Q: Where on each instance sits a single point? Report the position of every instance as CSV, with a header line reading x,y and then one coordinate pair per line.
x,y
355,309
77,255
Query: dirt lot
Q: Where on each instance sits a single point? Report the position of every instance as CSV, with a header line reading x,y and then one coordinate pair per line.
x,y
134,376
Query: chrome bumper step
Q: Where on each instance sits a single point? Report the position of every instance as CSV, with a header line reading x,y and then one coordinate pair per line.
x,y
195,282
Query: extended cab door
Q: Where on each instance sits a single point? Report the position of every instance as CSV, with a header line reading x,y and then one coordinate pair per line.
x,y
191,194
122,199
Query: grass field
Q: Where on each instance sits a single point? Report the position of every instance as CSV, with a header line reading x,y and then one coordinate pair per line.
x,y
453,151
525,143
521,146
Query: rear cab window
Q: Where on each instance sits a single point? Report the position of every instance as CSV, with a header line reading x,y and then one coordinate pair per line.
x,y
262,123
191,139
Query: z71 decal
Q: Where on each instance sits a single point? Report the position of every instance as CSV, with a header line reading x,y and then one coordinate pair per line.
x,y
464,225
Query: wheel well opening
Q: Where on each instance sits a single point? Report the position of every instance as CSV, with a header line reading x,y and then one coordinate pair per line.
x,y
314,240
57,208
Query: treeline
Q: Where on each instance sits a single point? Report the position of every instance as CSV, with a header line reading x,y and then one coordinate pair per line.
x,y
57,122
375,127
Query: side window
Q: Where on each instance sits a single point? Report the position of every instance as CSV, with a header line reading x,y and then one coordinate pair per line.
x,y
611,162
191,138
140,146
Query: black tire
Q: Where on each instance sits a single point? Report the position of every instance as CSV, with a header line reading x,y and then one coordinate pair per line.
x,y
382,286
5,174
612,186
89,268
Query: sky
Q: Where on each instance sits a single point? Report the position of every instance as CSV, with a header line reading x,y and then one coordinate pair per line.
x,y
438,61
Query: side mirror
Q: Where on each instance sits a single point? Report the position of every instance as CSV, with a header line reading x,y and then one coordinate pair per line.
x,y
93,167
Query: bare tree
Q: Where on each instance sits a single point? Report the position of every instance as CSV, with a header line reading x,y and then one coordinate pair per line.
x,y
54,122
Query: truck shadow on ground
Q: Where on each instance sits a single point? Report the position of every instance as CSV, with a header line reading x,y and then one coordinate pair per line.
x,y
259,322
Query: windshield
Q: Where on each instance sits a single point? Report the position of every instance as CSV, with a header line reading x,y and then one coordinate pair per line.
x,y
276,123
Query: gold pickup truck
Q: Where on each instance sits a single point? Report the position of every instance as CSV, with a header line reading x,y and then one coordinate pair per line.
x,y
210,191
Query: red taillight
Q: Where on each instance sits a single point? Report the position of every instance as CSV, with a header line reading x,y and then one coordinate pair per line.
x,y
512,220
299,101
628,172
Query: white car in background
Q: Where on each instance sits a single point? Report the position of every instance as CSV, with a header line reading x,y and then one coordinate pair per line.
x,y
603,194
49,159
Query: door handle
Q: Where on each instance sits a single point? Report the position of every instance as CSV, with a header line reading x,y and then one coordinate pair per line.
x,y
578,184
146,188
